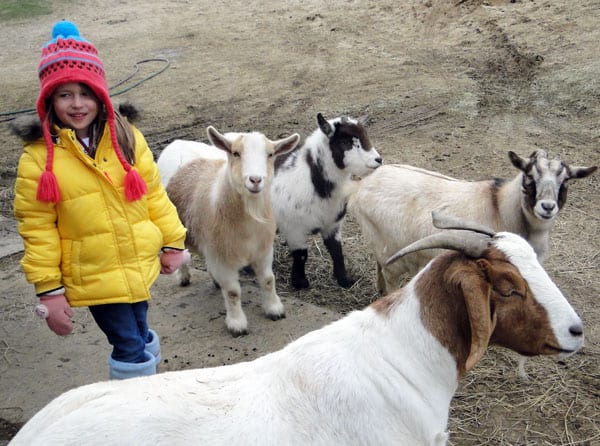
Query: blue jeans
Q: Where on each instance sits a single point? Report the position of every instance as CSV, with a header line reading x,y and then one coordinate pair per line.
x,y
126,327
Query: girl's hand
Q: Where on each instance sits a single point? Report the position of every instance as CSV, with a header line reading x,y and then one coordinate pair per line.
x,y
172,259
57,312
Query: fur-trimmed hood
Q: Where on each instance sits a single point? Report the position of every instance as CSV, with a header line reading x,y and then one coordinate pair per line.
x,y
29,127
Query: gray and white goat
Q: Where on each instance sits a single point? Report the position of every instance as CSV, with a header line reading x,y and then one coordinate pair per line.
x,y
394,204
311,187
385,375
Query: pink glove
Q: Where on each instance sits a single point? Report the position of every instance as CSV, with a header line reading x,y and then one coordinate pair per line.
x,y
57,312
172,259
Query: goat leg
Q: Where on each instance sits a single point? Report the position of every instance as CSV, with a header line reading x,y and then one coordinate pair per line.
x,y
298,278
334,247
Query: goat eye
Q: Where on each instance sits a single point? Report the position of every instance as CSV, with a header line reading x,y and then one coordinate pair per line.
x,y
506,290
515,293
236,154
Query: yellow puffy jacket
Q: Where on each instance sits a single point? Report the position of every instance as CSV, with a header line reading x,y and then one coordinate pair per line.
x,y
99,246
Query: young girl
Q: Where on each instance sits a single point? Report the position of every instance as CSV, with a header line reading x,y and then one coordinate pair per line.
x,y
91,209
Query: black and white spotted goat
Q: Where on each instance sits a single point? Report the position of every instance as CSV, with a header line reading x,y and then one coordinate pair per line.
x,y
311,187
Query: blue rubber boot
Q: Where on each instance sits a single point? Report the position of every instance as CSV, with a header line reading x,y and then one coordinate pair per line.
x,y
124,370
154,346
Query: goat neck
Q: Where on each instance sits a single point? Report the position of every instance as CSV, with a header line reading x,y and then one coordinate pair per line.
x,y
440,317
516,214
234,201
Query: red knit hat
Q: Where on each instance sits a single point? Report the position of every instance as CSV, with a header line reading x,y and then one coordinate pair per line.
x,y
70,58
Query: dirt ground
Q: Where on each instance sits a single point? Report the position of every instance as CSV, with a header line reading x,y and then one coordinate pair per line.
x,y
448,85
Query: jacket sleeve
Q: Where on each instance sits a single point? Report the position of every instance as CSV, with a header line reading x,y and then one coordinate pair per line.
x,y
37,226
162,211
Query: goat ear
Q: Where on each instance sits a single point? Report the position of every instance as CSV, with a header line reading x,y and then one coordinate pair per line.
x,y
217,139
581,172
476,291
324,125
287,144
363,120
518,161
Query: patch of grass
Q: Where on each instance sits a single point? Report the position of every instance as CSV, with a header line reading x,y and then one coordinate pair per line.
x,y
22,9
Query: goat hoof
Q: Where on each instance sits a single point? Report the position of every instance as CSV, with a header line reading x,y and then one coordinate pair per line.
x,y
184,282
276,317
238,333
346,282
300,284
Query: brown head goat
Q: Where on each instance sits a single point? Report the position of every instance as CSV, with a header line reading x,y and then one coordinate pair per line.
x,y
381,376
491,276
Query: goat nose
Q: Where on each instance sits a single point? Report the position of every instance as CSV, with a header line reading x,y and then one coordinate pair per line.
x,y
378,160
548,205
256,180
576,329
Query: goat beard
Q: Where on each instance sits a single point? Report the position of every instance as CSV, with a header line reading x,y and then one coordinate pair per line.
x,y
259,207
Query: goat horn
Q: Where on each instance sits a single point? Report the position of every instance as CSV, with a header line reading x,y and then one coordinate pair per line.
x,y
445,221
471,243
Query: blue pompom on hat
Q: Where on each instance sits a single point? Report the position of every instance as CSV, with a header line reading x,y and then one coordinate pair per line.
x,y
65,30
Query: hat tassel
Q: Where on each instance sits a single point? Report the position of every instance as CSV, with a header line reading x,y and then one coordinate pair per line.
x,y
48,191
135,187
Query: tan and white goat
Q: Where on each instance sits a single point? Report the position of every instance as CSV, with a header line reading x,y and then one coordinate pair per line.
x,y
381,376
226,208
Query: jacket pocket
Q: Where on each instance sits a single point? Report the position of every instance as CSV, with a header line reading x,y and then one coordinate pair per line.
x,y
149,241
66,257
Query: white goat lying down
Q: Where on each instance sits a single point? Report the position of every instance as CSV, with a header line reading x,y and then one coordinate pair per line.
x,y
393,206
225,205
311,187
381,376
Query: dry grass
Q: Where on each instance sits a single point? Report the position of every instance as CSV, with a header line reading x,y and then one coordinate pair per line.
x,y
324,289
553,407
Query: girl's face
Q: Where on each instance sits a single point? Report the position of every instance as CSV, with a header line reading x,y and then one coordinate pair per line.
x,y
76,106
